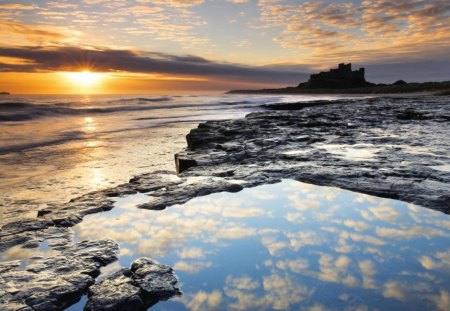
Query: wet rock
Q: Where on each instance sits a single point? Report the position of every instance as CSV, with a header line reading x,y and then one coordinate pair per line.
x,y
256,152
137,288
154,181
183,164
54,283
184,192
411,114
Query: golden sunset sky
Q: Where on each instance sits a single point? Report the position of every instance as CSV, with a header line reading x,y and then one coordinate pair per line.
x,y
192,46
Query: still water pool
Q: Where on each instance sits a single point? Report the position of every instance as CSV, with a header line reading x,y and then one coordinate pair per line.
x,y
289,245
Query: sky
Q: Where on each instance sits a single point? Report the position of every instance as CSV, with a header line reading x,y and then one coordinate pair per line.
x,y
192,46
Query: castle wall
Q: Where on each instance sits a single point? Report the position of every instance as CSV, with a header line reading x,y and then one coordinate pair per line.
x,y
343,72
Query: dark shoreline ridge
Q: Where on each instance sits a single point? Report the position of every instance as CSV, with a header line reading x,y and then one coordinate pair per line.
x,y
343,80
258,149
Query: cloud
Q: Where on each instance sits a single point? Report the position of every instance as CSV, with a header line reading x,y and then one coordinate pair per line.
x,y
442,300
361,238
295,265
242,212
441,261
368,270
174,3
299,203
304,238
410,233
235,232
62,5
385,213
242,283
282,291
52,58
274,247
90,2
144,9
191,267
16,6
192,252
428,263
357,225
366,32
33,33
202,300
336,270
394,289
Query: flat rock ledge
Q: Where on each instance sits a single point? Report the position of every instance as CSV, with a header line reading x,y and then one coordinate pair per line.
x,y
57,282
392,147
137,288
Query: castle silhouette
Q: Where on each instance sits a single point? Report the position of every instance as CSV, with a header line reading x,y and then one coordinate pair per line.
x,y
341,77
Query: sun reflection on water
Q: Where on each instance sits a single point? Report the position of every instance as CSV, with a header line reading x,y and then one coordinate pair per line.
x,y
89,124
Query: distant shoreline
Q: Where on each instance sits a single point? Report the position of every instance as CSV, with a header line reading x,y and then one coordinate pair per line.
x,y
436,88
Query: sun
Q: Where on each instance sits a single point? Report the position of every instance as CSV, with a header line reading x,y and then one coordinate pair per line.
x,y
84,78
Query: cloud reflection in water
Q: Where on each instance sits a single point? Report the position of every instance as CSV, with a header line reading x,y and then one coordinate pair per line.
x,y
289,246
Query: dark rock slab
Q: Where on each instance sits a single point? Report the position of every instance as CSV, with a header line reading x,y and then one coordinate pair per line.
x,y
54,283
137,288
183,164
186,191
404,139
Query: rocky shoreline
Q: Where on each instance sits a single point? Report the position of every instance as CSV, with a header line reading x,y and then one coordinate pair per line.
x,y
403,141
388,147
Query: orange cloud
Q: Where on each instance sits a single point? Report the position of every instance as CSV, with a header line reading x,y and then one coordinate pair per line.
x,y
175,3
18,33
370,31
16,6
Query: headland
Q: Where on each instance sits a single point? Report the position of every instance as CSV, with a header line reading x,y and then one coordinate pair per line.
x,y
344,80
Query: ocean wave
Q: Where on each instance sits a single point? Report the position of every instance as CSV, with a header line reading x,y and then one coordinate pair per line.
x,y
68,136
138,100
20,111
158,99
14,105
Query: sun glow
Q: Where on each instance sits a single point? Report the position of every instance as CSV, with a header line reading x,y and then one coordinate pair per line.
x,y
85,78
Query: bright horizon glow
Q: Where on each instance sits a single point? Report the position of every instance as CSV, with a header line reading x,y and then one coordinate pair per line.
x,y
84,78
186,46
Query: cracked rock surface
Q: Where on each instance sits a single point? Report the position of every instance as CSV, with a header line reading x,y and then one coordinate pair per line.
x,y
394,147
137,288
56,282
